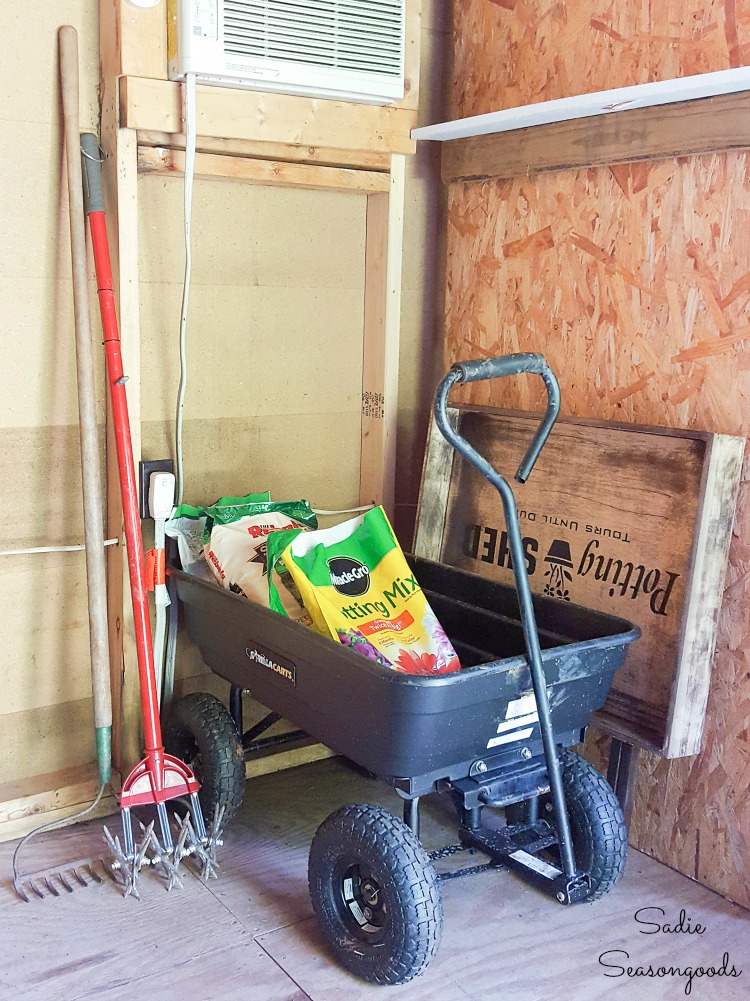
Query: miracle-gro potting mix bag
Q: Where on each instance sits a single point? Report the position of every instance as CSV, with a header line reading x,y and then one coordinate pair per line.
x,y
359,589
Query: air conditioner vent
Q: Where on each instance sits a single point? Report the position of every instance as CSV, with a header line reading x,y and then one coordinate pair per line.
x,y
334,33
345,49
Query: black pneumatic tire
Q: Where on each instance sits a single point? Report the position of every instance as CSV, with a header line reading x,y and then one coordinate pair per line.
x,y
200,731
362,855
600,837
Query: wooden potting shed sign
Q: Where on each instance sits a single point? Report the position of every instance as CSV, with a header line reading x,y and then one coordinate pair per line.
x,y
629,520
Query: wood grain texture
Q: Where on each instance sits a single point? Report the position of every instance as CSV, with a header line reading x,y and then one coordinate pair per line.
x,y
143,40
252,933
433,492
641,306
412,55
50,798
600,531
711,542
278,118
284,152
513,52
384,234
268,172
686,127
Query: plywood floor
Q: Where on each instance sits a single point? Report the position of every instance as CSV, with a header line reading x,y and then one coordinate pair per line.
x,y
251,934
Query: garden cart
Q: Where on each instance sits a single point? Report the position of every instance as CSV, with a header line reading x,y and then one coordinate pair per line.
x,y
494,735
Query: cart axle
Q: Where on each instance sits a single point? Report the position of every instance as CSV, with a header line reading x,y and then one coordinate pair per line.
x,y
472,870
518,847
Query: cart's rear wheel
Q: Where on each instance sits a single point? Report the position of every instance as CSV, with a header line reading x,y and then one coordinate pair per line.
x,y
200,731
597,826
375,893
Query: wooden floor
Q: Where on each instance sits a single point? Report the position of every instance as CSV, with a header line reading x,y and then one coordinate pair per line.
x,y
251,935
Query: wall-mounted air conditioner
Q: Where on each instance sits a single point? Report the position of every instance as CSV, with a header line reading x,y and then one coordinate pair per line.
x,y
350,50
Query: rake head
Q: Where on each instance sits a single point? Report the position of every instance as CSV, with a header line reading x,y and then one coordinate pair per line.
x,y
57,882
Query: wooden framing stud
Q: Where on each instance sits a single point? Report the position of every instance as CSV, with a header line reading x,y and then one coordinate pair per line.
x,y
255,171
383,247
278,118
53,796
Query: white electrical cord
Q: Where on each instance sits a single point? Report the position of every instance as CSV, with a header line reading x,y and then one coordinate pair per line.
x,y
190,130
52,549
190,140
348,510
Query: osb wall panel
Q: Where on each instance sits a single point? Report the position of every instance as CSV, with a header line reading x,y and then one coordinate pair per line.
x,y
511,52
635,282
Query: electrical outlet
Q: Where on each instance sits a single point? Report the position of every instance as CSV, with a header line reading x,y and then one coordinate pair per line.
x,y
145,468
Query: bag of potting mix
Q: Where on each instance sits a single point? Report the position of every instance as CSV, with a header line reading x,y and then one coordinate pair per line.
x,y
359,589
187,524
235,537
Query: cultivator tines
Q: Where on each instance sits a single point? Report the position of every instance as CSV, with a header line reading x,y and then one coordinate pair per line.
x,y
168,857
166,852
128,861
202,845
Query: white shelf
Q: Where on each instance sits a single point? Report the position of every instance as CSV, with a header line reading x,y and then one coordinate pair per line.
x,y
603,102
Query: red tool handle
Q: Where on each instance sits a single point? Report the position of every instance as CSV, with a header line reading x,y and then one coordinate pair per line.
x,y
126,467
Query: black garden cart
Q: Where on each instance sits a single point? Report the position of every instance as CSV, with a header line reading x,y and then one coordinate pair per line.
x,y
494,735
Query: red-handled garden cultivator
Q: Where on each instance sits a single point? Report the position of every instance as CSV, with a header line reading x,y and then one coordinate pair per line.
x,y
159,777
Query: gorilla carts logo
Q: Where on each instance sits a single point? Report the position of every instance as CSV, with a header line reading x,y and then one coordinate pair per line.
x,y
349,577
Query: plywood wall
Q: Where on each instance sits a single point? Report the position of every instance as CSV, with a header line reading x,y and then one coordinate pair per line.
x,y
635,282
274,346
274,341
513,52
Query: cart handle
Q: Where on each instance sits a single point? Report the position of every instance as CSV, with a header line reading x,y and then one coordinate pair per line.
x,y
493,368
473,371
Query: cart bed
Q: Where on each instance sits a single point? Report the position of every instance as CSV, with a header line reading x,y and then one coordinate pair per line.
x,y
413,730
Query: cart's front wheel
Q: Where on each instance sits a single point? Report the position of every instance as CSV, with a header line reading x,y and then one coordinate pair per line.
x,y
375,893
200,731
597,826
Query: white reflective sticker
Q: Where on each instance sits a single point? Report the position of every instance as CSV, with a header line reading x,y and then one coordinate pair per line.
x,y
348,889
520,707
508,738
537,864
357,912
510,724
